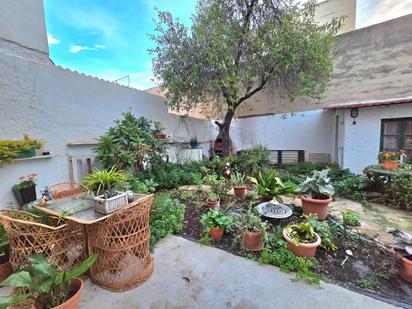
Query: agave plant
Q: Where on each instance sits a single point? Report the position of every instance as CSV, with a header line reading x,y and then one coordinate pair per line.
x,y
104,181
318,185
403,241
238,179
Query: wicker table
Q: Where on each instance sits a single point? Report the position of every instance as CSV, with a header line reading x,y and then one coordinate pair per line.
x,y
121,240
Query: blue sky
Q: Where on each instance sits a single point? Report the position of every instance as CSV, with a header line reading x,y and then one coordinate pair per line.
x,y
109,38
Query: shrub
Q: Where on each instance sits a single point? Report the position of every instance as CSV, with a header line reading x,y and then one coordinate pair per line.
x,y
305,169
10,149
350,218
252,160
399,190
166,217
323,230
350,186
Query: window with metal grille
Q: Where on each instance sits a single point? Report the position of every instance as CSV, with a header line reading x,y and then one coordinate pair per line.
x,y
396,134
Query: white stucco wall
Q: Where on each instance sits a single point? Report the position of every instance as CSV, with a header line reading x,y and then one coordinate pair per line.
x,y
311,131
61,106
362,140
23,22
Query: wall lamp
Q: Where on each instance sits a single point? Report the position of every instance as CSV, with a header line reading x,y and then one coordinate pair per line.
x,y
354,113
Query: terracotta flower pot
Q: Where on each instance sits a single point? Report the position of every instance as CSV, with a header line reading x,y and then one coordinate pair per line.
x,y
264,199
75,289
318,207
239,191
252,241
216,233
302,250
213,204
5,270
405,269
390,165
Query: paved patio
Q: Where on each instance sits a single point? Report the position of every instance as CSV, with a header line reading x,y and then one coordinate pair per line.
x,y
188,275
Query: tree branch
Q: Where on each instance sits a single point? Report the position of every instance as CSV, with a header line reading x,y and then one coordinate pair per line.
x,y
257,89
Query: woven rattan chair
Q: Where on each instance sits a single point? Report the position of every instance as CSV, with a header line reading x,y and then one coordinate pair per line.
x,y
65,189
122,243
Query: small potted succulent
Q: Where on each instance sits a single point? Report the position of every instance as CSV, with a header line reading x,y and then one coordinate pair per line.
x,y
25,190
158,131
47,286
215,223
193,142
390,159
317,194
105,184
404,244
302,239
238,183
252,230
213,200
5,267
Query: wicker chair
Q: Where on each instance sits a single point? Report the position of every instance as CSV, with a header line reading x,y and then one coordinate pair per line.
x,y
122,243
65,189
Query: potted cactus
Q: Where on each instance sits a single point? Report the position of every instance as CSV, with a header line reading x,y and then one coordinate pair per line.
x,y
238,183
302,239
215,222
317,194
404,245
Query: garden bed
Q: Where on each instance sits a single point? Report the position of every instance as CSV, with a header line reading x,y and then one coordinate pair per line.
x,y
371,270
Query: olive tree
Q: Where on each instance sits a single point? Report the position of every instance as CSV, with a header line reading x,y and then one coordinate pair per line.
x,y
235,49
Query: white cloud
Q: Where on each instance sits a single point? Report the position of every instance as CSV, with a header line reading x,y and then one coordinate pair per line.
x,y
78,48
99,46
389,9
52,40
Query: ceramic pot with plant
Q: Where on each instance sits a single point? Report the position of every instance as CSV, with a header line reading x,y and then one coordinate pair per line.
x,y
403,244
158,131
317,192
47,286
215,222
302,239
5,267
252,230
390,159
213,200
193,142
25,190
239,184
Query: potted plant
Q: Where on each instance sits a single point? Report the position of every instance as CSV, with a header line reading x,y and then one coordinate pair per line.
x,y
215,223
213,200
390,159
47,286
104,184
12,149
238,182
404,244
317,194
193,142
5,267
302,239
252,230
158,131
25,190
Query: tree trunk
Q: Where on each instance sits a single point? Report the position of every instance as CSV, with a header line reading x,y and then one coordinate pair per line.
x,y
224,132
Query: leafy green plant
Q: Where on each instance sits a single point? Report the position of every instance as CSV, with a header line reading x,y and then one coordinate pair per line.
x,y
249,221
104,181
166,217
215,218
217,185
270,184
318,185
238,179
399,189
24,182
251,161
213,197
130,144
323,229
206,240
348,185
44,283
350,218
4,245
368,283
10,149
301,233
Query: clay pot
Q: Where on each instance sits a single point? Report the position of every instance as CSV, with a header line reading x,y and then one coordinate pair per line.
x,y
239,191
302,250
252,241
318,207
390,165
216,233
5,270
405,269
264,199
76,287
213,204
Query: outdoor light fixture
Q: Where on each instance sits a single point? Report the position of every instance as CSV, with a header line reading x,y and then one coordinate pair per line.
x,y
354,113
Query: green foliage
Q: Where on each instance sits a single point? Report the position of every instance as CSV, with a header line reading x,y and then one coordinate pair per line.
x,y
318,185
323,229
270,184
368,283
304,169
215,218
350,218
102,181
251,161
238,179
213,197
301,233
166,217
206,240
130,144
217,185
250,221
4,242
399,190
46,284
347,184
10,149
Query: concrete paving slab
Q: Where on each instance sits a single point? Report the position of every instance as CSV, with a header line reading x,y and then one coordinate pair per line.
x,y
188,275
